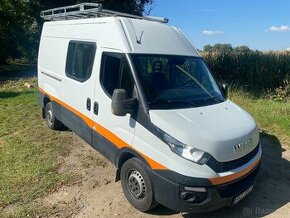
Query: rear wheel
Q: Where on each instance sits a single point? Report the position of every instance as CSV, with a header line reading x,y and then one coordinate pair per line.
x,y
50,119
137,186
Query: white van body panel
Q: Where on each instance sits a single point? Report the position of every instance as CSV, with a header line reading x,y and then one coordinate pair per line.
x,y
51,65
214,129
157,38
151,146
126,32
95,29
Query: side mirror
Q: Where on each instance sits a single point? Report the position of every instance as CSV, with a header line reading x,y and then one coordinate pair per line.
x,y
225,88
121,104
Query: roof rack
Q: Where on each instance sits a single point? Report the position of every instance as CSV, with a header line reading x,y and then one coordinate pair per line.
x,y
89,10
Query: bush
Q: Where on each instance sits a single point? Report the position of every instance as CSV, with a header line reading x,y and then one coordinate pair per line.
x,y
282,93
254,71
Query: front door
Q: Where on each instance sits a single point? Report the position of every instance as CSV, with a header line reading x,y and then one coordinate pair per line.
x,y
112,132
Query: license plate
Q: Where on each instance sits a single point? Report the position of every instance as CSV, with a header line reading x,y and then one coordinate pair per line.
x,y
243,195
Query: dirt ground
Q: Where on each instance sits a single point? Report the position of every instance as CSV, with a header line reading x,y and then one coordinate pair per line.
x,y
96,194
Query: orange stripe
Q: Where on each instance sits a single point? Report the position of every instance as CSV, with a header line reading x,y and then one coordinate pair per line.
x,y
153,164
105,132
229,178
88,121
121,144
111,136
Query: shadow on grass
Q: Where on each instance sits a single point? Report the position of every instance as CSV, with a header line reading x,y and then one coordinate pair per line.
x,y
4,95
17,71
271,190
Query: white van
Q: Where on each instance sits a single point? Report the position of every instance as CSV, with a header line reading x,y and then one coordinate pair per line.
x,y
137,90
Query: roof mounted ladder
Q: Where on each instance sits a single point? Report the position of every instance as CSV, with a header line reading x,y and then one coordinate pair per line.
x,y
90,10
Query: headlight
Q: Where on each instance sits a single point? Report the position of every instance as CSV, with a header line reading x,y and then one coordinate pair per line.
x,y
185,151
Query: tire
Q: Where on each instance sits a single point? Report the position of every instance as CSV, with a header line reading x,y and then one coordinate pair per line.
x,y
50,119
137,186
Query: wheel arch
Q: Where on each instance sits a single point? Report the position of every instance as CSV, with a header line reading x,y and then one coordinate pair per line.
x,y
45,101
124,155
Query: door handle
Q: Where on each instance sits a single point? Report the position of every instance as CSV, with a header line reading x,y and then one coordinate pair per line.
x,y
88,104
96,108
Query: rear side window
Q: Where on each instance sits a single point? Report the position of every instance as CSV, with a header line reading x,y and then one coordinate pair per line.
x,y
116,74
80,60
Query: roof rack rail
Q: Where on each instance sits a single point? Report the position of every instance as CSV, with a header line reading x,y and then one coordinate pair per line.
x,y
90,10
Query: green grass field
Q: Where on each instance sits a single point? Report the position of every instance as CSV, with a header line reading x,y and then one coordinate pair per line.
x,y
271,116
29,151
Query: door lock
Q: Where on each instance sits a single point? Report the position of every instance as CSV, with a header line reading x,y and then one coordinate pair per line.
x,y
96,108
88,104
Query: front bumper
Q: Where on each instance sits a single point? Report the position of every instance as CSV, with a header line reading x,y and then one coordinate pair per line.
x,y
168,192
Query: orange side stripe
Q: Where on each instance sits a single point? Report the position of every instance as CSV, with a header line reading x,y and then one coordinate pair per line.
x,y
88,121
119,143
229,178
111,136
153,164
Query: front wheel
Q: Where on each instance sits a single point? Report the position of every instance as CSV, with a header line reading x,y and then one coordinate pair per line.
x,y
137,186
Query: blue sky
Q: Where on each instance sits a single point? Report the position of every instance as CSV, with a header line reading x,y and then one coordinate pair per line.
x,y
260,24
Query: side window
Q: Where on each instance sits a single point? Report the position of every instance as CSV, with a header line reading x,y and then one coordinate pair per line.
x,y
116,74
80,60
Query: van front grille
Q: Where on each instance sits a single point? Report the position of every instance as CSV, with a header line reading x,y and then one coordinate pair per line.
x,y
220,167
237,187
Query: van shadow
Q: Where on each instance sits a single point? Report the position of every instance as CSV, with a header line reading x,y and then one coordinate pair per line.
x,y
271,190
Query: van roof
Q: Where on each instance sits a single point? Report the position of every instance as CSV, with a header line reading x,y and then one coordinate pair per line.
x,y
128,35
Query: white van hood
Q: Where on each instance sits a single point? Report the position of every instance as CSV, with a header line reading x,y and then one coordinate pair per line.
x,y
214,129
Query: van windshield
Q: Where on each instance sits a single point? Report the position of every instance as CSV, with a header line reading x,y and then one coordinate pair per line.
x,y
176,81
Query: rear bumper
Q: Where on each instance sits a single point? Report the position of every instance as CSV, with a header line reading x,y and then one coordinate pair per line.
x,y
168,192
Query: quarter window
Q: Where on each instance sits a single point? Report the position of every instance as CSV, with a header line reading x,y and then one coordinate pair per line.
x,y
80,60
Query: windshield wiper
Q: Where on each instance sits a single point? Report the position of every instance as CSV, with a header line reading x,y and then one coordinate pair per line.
x,y
212,99
174,101
182,102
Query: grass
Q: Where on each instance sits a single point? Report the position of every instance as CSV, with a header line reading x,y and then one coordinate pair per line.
x,y
271,116
28,150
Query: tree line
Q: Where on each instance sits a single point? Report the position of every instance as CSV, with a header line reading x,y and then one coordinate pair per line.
x,y
20,22
225,48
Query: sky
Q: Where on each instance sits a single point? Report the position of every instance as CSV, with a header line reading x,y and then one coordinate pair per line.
x,y
259,24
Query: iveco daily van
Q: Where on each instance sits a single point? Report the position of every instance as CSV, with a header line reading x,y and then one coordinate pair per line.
x,y
137,90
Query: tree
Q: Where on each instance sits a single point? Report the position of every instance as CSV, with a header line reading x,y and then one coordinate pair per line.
x,y
20,22
207,48
13,28
222,48
218,48
242,49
